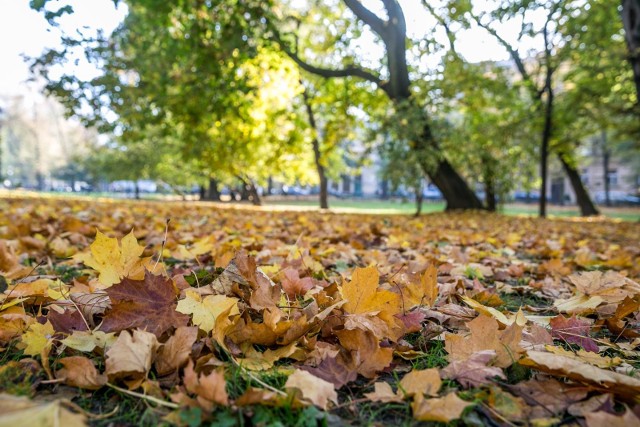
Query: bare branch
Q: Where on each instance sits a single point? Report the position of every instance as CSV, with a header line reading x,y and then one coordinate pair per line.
x,y
450,35
365,15
515,56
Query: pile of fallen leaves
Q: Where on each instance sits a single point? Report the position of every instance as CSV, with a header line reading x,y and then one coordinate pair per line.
x,y
201,314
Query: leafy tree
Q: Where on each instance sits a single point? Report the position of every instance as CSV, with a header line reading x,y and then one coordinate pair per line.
x,y
393,79
631,21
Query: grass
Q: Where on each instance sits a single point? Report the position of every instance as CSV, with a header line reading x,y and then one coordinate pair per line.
x,y
406,207
363,206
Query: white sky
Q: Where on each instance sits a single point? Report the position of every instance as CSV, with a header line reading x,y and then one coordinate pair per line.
x,y
24,31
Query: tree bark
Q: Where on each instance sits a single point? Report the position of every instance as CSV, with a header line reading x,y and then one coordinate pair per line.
x,y
213,194
419,197
605,168
317,154
136,189
631,23
587,208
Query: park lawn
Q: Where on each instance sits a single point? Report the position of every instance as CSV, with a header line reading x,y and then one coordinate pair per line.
x,y
400,207
208,314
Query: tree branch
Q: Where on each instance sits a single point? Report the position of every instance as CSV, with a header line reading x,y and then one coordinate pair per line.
x,y
450,35
512,52
365,15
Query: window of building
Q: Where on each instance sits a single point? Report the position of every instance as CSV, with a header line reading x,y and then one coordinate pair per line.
x,y
612,177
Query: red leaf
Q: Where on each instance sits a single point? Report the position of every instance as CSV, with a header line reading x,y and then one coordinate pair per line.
x,y
148,304
68,321
330,369
573,331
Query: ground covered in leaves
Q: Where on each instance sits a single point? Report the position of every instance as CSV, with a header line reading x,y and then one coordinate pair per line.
x,y
125,313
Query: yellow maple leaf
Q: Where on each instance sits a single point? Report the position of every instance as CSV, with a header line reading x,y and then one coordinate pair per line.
x,y
115,261
363,296
37,338
423,293
206,310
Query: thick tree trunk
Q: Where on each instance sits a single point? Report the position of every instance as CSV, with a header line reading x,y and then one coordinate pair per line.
x,y
587,208
317,154
488,176
213,194
457,194
631,23
202,192
136,190
254,197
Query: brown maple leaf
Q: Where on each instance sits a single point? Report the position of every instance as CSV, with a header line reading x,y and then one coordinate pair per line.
x,y
148,304
293,284
334,370
573,330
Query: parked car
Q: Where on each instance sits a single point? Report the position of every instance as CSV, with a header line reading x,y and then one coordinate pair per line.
x,y
432,193
617,198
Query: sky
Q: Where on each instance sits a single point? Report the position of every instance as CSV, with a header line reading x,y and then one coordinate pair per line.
x,y
26,32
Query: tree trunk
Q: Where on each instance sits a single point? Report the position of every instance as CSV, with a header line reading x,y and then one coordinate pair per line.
x,y
249,191
136,190
587,208
631,23
213,194
419,197
254,197
544,156
453,187
202,192
488,175
317,154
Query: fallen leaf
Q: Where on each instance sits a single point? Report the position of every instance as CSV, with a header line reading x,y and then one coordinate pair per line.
x,y
573,330
115,261
148,304
423,293
80,372
420,382
474,371
131,355
442,409
363,296
312,389
206,310
37,338
293,285
333,370
610,382
382,392
15,410
484,335
209,389
86,341
175,352
601,418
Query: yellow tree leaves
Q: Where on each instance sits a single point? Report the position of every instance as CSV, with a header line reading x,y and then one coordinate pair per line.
x,y
423,293
258,308
206,310
115,261
484,335
363,296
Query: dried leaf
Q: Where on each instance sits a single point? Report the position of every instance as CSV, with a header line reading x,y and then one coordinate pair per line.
x,y
206,311
131,355
147,304
442,409
80,372
312,389
115,261
175,352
